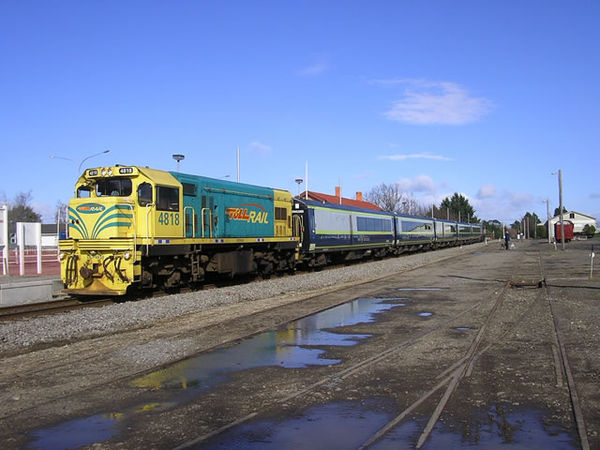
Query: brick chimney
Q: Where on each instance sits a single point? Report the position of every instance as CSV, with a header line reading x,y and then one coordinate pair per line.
x,y
359,196
338,193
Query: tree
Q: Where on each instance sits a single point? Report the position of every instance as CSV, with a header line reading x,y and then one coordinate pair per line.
x,y
557,211
21,211
458,208
589,230
493,228
388,197
529,224
62,217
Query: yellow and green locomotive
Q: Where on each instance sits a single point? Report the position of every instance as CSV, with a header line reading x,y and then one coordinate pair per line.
x,y
133,226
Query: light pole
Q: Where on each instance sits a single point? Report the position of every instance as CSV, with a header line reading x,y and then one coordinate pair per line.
x,y
59,157
88,157
178,157
560,206
547,201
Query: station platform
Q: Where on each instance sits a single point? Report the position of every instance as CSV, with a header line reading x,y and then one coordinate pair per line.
x,y
16,290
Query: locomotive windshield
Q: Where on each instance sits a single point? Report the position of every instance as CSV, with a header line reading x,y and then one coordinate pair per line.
x,y
114,187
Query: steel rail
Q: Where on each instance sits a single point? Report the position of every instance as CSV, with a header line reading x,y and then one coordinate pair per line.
x,y
561,354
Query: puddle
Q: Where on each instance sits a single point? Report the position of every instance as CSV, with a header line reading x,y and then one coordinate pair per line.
x,y
351,424
463,328
76,433
291,347
332,426
493,429
425,314
476,253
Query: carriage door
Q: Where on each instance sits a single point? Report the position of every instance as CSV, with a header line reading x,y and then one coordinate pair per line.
x,y
168,215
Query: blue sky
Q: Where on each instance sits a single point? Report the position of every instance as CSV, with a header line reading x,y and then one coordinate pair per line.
x,y
482,98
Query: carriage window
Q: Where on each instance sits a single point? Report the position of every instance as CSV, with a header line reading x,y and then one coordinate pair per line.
x,y
84,192
114,187
167,198
145,194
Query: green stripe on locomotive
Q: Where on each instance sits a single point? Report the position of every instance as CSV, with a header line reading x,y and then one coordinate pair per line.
x,y
224,209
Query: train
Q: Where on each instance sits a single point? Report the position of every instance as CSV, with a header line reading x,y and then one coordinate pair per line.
x,y
133,228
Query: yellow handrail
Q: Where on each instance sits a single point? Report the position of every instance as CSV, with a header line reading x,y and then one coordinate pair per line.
x,y
148,227
193,217
130,205
209,221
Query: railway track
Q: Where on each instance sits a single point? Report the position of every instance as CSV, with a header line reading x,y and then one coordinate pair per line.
x,y
13,313
443,386
449,379
53,307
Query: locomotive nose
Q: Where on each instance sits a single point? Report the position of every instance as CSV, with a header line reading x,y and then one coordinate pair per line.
x,y
86,273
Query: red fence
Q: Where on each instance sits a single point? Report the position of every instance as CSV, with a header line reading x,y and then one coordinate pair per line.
x,y
50,264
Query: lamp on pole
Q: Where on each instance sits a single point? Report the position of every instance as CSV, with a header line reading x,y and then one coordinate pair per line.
x,y
88,157
178,157
298,182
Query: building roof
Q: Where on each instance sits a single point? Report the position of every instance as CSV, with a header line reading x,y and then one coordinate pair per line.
x,y
566,216
326,198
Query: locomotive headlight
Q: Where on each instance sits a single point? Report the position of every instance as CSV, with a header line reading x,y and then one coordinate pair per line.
x,y
109,172
61,256
127,256
103,172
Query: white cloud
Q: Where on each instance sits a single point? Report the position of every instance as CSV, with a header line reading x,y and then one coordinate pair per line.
x,y
486,191
427,102
402,157
260,148
506,206
420,183
315,69
319,66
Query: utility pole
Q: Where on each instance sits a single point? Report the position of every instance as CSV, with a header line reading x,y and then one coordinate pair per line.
x,y
548,219
560,205
238,164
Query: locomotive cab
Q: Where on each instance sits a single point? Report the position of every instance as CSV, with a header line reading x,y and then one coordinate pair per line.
x,y
116,210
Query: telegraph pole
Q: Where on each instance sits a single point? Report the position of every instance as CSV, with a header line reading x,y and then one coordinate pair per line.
x,y
548,219
560,205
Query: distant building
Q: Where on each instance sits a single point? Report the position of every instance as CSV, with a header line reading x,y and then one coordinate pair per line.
x,y
579,221
357,202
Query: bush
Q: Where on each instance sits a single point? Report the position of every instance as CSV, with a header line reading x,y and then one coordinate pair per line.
x,y
589,231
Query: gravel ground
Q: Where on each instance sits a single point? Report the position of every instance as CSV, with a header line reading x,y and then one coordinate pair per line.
x,y
94,322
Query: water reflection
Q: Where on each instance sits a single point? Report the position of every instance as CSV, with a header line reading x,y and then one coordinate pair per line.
x,y
333,426
350,424
76,433
291,347
294,346
495,428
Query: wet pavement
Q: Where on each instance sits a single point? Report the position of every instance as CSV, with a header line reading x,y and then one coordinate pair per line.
x,y
299,344
491,429
334,378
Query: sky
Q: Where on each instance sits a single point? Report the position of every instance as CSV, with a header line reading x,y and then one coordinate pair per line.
x,y
484,98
